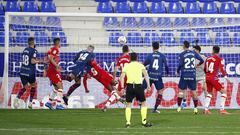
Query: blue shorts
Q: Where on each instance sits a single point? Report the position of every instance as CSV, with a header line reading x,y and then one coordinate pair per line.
x,y
77,72
157,83
184,84
27,79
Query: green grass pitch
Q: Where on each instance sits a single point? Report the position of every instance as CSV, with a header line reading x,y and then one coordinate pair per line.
x,y
93,121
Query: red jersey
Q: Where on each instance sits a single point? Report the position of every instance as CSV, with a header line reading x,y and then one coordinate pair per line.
x,y
212,65
54,51
122,60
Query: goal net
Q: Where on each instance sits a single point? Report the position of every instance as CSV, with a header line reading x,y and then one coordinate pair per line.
x,y
77,31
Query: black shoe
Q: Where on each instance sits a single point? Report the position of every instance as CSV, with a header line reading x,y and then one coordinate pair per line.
x,y
127,125
65,99
148,124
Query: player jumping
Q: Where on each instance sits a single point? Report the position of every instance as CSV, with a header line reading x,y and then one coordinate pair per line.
x,y
211,67
27,72
188,74
156,61
80,63
54,75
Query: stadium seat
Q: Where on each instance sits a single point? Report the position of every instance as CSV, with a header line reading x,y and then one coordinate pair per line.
x,y
122,7
36,23
236,39
2,12
187,36
151,37
2,38
193,8
41,38
217,22
233,22
140,7
113,38
129,22
204,38
134,39
54,24
206,1
60,35
181,22
210,8
13,6
30,6
110,22
146,22
157,7
168,39
175,8
2,21
227,8
222,39
199,22
105,7
22,38
164,23
238,9
18,23
48,6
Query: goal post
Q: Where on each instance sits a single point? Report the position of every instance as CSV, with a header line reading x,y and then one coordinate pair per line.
x,y
78,30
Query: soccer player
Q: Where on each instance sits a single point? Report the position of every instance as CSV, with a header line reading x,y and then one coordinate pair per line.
x,y
212,65
188,74
103,77
27,71
81,61
54,75
156,62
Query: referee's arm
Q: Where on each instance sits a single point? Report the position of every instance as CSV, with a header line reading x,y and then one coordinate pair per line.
x,y
146,77
122,79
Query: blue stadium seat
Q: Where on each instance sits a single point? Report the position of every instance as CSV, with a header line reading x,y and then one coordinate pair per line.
x,y
151,37
187,36
204,38
206,1
54,24
233,21
236,39
2,12
113,38
22,38
110,22
175,8
134,39
210,8
60,35
122,7
181,22
13,6
199,22
48,6
227,8
2,21
105,7
164,23
41,38
30,6
157,7
217,22
36,23
168,39
129,22
193,8
146,22
222,39
238,9
140,7
2,38
18,23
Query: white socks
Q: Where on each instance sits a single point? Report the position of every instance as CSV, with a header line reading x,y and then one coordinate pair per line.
x,y
207,101
113,96
223,100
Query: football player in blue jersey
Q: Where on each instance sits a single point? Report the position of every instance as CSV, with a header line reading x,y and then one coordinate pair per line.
x,y
156,62
81,62
187,68
27,72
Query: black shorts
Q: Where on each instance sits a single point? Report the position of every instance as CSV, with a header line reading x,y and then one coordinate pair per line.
x,y
27,79
135,91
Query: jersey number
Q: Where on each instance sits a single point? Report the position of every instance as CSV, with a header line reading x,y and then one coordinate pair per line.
x,y
25,60
210,67
189,63
94,72
83,56
155,64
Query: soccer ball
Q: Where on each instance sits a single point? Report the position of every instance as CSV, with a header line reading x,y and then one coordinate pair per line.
x,y
122,40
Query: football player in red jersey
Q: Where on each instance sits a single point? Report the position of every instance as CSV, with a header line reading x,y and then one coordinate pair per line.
x,y
212,65
53,73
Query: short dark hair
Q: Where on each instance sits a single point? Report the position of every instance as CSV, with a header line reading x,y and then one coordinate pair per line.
x,y
155,45
30,40
55,40
133,56
125,49
186,44
197,47
216,49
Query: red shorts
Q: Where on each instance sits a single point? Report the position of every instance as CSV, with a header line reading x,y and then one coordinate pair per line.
x,y
54,77
105,80
213,84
